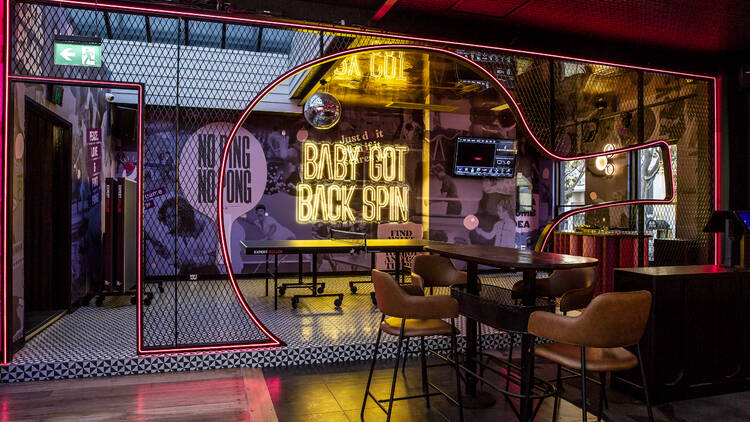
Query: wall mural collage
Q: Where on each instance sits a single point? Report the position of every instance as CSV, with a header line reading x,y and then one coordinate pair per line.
x,y
270,193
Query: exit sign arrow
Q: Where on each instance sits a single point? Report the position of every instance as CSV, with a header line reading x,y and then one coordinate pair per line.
x,y
67,54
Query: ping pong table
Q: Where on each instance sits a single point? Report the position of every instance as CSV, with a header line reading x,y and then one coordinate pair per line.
x,y
329,246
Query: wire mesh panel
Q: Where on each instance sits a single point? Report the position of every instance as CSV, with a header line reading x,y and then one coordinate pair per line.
x,y
199,75
595,108
679,109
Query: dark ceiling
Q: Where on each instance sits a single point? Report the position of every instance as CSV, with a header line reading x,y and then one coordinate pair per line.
x,y
684,34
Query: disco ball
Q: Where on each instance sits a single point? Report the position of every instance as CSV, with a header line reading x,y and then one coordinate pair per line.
x,y
322,110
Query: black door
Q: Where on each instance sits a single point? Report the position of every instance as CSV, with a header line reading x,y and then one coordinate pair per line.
x,y
47,196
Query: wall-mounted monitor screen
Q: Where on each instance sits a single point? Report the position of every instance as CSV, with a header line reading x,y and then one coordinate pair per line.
x,y
485,157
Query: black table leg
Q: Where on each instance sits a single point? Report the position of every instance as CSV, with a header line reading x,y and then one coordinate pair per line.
x,y
299,268
266,274
475,399
527,349
300,284
315,274
339,296
398,267
275,281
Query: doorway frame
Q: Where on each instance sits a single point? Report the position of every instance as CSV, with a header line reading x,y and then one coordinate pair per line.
x,y
55,119
6,338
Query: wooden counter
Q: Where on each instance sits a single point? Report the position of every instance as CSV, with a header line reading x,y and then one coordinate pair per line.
x,y
697,341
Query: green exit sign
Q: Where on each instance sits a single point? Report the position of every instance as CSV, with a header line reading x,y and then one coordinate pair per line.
x,y
68,54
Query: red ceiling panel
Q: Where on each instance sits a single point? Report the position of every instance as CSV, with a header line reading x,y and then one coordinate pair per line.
x,y
701,25
495,8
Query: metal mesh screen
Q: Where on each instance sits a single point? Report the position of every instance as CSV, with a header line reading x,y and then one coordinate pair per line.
x,y
196,71
602,107
594,106
679,109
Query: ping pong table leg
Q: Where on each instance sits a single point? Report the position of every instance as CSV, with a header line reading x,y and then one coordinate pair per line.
x,y
398,268
315,274
275,281
299,267
266,275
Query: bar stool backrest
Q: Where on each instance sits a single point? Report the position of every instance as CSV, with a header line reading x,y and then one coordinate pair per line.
x,y
436,270
562,281
394,301
611,320
574,287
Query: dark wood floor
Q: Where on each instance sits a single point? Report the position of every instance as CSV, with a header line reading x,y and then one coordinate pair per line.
x,y
328,393
221,395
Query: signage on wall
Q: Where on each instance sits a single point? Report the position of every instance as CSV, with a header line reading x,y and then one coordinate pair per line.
x,y
244,177
94,148
331,185
387,261
67,54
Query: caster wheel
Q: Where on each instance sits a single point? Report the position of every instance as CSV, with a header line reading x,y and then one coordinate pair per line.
x,y
149,296
146,302
295,301
161,289
133,300
337,303
99,301
282,290
321,289
353,288
374,300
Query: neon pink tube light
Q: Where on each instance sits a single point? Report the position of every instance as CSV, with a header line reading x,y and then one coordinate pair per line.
x,y
343,30
511,101
5,299
142,9
103,84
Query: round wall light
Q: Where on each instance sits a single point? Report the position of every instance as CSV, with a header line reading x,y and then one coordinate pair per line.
x,y
601,163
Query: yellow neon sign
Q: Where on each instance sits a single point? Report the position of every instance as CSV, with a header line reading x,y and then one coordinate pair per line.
x,y
395,198
386,65
330,200
318,162
384,162
349,67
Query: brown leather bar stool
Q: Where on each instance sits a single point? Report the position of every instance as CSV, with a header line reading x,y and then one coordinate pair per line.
x,y
432,271
574,287
596,339
413,316
435,271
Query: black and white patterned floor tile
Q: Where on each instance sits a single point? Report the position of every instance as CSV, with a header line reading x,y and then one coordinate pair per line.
x,y
93,342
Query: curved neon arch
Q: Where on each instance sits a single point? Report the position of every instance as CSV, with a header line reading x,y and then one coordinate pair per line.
x,y
511,102
220,17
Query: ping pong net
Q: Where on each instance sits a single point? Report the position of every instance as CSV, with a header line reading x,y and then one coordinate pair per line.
x,y
357,240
